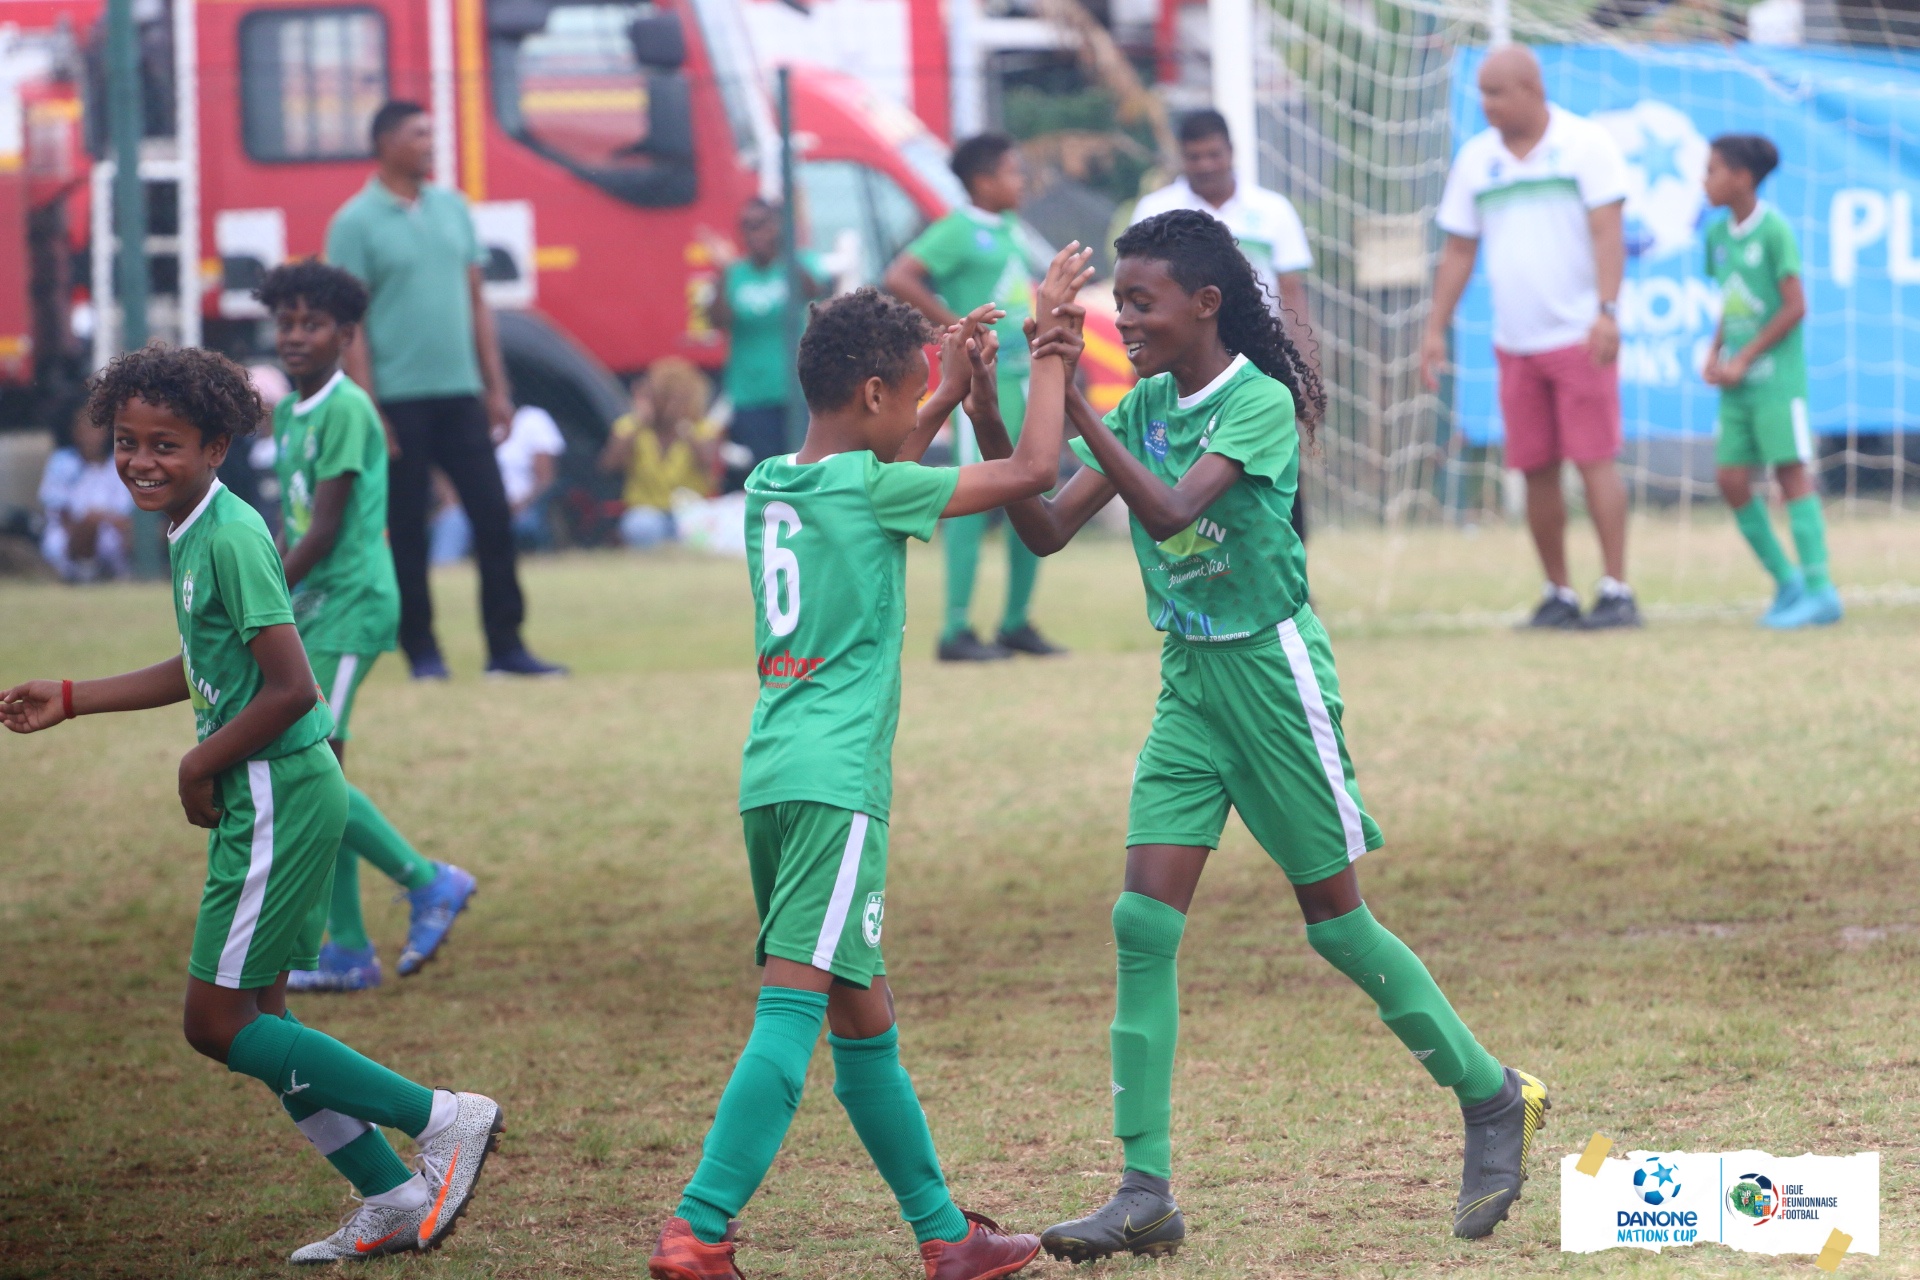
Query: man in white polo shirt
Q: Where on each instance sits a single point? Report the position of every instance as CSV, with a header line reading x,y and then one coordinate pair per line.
x,y
1544,188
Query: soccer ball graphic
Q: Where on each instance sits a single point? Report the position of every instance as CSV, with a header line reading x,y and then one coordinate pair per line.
x,y
1657,1181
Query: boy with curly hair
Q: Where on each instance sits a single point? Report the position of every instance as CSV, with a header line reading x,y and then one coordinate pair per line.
x,y
265,785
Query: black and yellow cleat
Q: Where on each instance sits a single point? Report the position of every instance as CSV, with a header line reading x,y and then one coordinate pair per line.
x,y
1499,1140
1141,1218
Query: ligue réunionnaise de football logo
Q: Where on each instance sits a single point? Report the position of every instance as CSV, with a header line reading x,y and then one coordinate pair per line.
x,y
1156,439
1656,1181
1754,1196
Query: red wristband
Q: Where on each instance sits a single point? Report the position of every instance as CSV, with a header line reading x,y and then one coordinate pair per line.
x,y
66,698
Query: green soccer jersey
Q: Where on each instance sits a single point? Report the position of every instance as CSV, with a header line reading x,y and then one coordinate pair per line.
x,y
827,556
350,601
756,375
972,257
1749,263
227,588
1239,568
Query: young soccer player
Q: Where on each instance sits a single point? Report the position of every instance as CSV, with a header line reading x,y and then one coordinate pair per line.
x,y
271,793
1205,451
331,457
1758,362
972,256
826,543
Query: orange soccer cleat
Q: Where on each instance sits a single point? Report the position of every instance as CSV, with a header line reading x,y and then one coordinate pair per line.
x,y
987,1252
681,1255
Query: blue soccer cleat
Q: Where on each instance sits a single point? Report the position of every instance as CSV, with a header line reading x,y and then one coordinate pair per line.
x,y
1813,609
1785,596
434,908
341,969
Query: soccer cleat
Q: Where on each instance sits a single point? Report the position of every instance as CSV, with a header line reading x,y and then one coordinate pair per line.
x,y
1785,596
964,646
341,969
1611,612
681,1255
984,1253
434,909
1027,639
430,666
1499,1139
370,1231
1813,609
1556,613
1141,1218
521,663
453,1159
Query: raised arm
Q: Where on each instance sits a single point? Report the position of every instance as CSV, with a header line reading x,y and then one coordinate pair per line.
x,y
330,500
1162,509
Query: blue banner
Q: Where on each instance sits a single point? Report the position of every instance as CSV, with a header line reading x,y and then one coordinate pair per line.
x,y
1848,129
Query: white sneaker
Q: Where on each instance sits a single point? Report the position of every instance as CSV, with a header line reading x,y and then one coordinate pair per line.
x,y
453,1159
370,1231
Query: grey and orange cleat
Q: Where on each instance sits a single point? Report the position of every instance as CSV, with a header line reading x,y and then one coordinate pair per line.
x,y
453,1159
1500,1135
370,1231
1141,1218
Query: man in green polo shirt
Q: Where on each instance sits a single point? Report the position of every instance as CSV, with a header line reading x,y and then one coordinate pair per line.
x,y
426,353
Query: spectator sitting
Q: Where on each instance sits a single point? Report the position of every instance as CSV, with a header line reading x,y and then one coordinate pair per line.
x,y
529,463
666,444
88,508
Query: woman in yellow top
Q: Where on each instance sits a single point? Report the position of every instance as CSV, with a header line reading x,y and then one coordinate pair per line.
x,y
666,444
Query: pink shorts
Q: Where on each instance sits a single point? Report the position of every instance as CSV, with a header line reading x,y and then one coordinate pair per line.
x,y
1558,405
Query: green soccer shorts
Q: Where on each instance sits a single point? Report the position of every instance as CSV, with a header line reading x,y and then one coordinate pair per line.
x,y
339,676
820,886
1253,724
270,869
1013,412
1761,430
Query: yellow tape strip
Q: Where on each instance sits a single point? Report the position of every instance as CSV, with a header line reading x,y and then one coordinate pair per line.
x,y
1595,1155
1837,1245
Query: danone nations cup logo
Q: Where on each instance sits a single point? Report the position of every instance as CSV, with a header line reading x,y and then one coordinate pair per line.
x,y
1754,1197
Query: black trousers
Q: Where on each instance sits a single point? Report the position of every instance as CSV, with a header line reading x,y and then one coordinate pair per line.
x,y
452,433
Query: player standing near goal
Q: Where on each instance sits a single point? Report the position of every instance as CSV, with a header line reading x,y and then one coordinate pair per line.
x,y
331,456
826,547
1205,452
271,793
1758,362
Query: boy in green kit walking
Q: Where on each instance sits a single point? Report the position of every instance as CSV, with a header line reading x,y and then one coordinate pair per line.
x,y
1760,365
332,462
971,257
271,795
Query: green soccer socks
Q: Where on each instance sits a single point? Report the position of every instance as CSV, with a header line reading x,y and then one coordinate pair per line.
x,y
1809,525
300,1063
1410,1002
1023,567
1758,531
370,835
960,537
1146,1026
878,1095
345,923
755,1109
359,1152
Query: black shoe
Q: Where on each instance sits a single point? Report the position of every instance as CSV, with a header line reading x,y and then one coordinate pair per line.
x,y
1141,1218
1025,639
522,663
1610,612
964,646
1556,613
430,666
1500,1135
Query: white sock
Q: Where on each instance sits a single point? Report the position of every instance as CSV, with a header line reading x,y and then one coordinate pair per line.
x,y
445,1108
1554,591
1613,587
410,1194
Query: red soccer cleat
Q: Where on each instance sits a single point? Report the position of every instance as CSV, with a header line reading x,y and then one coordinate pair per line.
x,y
681,1255
986,1253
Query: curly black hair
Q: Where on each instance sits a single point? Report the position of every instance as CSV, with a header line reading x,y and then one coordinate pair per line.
x,y
1749,151
864,334
1199,251
203,387
322,287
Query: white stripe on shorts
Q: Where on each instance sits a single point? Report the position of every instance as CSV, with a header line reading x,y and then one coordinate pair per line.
x,y
1324,742
342,683
1802,431
842,899
253,894
329,1131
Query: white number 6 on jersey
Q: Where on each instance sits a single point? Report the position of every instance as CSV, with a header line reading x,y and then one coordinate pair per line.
x,y
776,560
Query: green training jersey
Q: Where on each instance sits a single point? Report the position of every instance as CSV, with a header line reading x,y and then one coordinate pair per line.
x,y
756,375
1748,264
227,588
827,556
350,601
1240,567
972,257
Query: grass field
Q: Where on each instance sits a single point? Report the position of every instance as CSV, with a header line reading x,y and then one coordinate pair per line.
x,y
1670,872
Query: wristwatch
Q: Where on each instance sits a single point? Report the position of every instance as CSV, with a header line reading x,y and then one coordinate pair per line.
x,y
1610,309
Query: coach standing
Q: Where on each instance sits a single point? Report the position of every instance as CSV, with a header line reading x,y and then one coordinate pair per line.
x,y
1545,189
426,352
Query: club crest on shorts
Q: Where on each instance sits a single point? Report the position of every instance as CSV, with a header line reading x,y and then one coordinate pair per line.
x,y
871,918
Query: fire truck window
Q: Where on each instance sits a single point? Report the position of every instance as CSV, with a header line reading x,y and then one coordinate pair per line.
x,y
730,52
897,219
836,216
310,81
